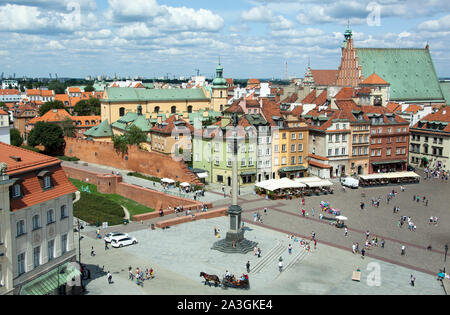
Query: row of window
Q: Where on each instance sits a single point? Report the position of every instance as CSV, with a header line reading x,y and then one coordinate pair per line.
x,y
343,151
398,151
435,139
337,138
360,151
36,220
388,130
434,150
294,148
293,160
294,136
16,189
388,140
37,259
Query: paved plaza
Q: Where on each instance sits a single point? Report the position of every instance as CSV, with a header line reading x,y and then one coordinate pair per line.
x,y
180,253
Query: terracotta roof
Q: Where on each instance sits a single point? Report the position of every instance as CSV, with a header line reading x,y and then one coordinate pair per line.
x,y
290,99
413,108
2,112
345,93
31,92
25,171
442,116
319,165
318,157
9,92
309,99
270,109
393,107
321,99
374,79
364,91
169,125
74,90
253,81
324,77
53,115
234,108
252,103
93,121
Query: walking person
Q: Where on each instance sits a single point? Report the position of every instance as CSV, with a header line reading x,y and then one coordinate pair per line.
x,y
92,251
290,249
109,276
382,243
106,245
412,279
248,266
280,265
345,232
403,250
130,273
363,253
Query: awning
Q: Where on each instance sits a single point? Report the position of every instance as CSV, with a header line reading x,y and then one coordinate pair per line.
x,y
202,175
168,180
48,283
389,162
292,169
248,173
425,159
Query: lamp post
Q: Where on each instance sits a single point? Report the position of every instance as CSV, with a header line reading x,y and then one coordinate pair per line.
x,y
445,256
79,242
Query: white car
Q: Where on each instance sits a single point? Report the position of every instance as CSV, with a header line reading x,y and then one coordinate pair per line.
x,y
123,241
108,237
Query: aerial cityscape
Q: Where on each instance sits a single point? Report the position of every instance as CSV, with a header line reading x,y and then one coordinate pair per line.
x,y
240,149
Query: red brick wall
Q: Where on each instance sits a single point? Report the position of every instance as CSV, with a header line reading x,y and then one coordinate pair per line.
x,y
150,163
112,184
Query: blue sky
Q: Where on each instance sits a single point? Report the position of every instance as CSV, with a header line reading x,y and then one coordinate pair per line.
x,y
255,38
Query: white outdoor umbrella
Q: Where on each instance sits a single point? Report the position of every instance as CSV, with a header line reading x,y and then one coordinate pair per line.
x,y
341,217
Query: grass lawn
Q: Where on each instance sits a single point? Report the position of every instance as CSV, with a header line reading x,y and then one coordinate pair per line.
x,y
132,206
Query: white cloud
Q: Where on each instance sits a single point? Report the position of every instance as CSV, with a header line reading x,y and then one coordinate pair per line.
x,y
137,30
441,24
258,14
183,18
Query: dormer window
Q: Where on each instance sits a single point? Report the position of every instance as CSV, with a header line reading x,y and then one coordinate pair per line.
x,y
47,182
45,179
16,191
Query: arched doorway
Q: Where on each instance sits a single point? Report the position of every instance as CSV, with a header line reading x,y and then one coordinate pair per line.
x,y
360,170
173,110
189,109
122,111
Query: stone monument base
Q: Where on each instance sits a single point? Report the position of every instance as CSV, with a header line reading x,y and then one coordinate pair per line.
x,y
242,245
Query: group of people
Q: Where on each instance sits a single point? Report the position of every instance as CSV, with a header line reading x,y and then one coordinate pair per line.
x,y
140,275
370,242
424,199
411,225
436,173
257,252
257,216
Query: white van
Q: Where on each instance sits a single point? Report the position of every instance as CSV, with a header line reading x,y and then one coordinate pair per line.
x,y
350,182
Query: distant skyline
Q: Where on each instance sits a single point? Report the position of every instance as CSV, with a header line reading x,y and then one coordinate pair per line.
x,y
254,38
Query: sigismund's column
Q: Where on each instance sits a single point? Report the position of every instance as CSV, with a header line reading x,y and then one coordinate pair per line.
x,y
235,241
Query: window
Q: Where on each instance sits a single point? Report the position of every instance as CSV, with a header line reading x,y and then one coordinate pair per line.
x,y
36,222
50,216
21,264
64,213
293,136
388,151
337,126
156,109
259,152
122,111
330,152
36,256
276,161
403,150
220,178
217,160
372,153
267,163
63,244
293,147
344,138
267,151
250,148
338,138
336,151
20,228
276,148
47,182
354,151
380,130
189,109
16,191
283,161
216,147
379,140
283,135
343,151
389,130
397,151
354,139
173,110
243,148
300,159
330,138
374,140
283,148
250,161
243,162
300,136
51,249
379,152
300,147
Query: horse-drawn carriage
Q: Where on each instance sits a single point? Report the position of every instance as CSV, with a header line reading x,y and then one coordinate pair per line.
x,y
227,281
232,282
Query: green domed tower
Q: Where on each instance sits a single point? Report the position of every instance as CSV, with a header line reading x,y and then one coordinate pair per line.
x,y
219,90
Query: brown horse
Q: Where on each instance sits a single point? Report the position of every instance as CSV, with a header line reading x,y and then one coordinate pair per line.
x,y
210,278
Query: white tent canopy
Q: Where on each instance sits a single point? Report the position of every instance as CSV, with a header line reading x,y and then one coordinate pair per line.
x,y
314,182
185,184
168,180
389,175
283,183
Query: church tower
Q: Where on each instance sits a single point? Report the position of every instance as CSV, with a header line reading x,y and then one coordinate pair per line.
x,y
219,95
349,72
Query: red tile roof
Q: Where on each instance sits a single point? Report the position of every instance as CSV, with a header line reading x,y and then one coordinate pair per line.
x,y
374,79
53,115
234,108
321,99
324,77
319,165
2,112
169,125
413,108
345,93
393,107
442,116
309,99
9,92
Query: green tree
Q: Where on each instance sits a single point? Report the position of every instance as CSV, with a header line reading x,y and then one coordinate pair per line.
x,y
68,127
120,143
15,137
89,88
87,107
49,106
58,87
135,136
50,135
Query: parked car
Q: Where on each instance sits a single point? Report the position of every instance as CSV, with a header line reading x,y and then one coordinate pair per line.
x,y
350,182
108,237
124,241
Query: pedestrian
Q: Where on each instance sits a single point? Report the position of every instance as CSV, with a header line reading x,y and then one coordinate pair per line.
x,y
290,249
303,212
320,216
345,232
367,234
265,211
312,211
313,235
354,248
280,266
106,245
130,273
363,253
414,197
315,244
412,279
258,253
92,251
382,243
109,275
426,203
403,250
248,266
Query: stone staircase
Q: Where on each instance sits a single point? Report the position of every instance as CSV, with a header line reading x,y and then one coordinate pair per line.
x,y
193,179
